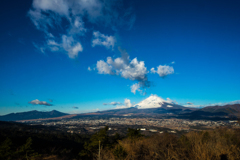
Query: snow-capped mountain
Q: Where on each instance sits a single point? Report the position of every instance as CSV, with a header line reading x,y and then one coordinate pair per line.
x,y
154,101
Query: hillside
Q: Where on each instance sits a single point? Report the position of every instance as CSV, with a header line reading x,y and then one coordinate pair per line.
x,y
31,115
227,109
215,113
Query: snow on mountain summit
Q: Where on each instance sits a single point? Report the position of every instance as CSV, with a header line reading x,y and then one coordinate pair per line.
x,y
152,101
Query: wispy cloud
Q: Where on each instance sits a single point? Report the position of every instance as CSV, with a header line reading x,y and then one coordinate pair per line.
x,y
39,48
168,100
224,103
103,40
65,23
127,104
68,18
37,102
89,69
189,104
112,103
72,46
163,71
75,107
135,87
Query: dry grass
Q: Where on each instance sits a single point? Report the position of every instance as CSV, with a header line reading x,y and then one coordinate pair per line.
x,y
213,145
221,144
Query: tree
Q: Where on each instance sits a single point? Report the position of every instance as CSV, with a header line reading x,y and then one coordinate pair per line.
x,y
133,133
26,150
93,146
119,152
5,149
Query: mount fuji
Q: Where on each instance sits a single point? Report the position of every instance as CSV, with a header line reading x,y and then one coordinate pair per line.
x,y
154,101
151,106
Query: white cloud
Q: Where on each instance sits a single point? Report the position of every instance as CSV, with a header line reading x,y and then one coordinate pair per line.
x,y
57,6
52,42
66,17
224,103
37,102
40,20
127,103
112,103
153,70
234,102
67,44
135,87
71,46
194,106
189,104
89,69
39,48
53,45
104,68
49,13
75,107
50,35
103,40
115,103
133,70
163,71
124,67
136,70
77,26
168,100
120,107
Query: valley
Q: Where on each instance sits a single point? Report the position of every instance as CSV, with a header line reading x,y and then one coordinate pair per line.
x,y
147,126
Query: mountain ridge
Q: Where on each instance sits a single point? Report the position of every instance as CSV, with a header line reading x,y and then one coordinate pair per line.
x,y
151,106
34,114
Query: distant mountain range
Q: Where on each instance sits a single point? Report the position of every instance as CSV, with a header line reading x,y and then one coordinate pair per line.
x,y
163,109
230,109
31,115
227,110
151,106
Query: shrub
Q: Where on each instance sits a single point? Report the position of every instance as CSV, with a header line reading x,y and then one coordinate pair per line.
x,y
219,144
119,152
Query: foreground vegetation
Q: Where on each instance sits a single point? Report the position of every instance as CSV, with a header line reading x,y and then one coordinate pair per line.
x,y
219,144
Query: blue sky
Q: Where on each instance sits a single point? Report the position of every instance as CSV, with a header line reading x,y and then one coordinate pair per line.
x,y
74,56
